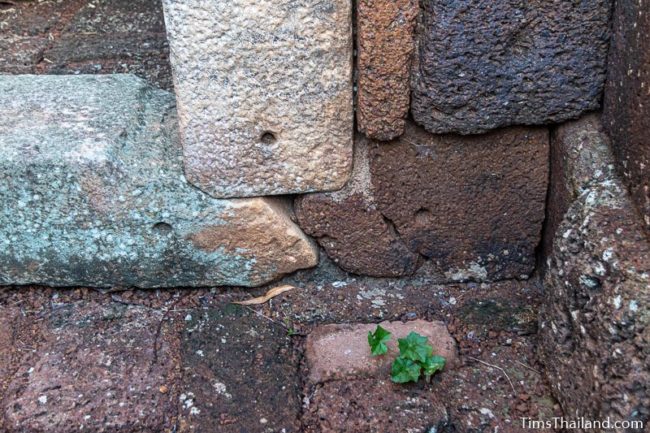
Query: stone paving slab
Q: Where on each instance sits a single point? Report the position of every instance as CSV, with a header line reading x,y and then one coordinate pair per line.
x,y
240,373
378,406
266,107
100,369
341,351
94,194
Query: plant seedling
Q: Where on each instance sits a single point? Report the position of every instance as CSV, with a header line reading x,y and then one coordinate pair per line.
x,y
415,357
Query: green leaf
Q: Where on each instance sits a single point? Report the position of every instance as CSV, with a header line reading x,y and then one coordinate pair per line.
x,y
404,370
432,365
378,340
414,347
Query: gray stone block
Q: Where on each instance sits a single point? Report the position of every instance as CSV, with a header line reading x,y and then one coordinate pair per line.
x,y
264,92
484,64
93,193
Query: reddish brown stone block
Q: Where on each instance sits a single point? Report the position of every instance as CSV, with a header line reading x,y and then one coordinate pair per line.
x,y
378,406
594,324
337,352
472,205
626,110
99,368
351,229
385,44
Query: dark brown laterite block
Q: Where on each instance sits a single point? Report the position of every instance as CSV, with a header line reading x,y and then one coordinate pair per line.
x,y
626,114
385,44
352,230
483,64
472,206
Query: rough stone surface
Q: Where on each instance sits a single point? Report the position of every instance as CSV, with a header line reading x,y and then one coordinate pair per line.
x,y
93,194
85,37
337,352
485,64
264,92
377,406
626,108
98,369
19,54
385,44
352,230
473,207
240,374
594,322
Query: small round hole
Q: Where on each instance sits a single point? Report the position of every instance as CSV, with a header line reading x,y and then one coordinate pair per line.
x,y
162,228
268,137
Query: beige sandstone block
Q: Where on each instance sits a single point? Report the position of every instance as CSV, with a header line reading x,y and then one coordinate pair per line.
x,y
264,92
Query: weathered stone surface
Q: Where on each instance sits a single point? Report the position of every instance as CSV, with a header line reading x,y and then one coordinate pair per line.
x,y
485,64
19,54
352,230
264,92
240,374
472,206
337,352
378,406
626,107
99,369
594,322
93,194
385,44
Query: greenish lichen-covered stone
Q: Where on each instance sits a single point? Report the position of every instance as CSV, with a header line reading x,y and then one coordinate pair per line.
x,y
93,193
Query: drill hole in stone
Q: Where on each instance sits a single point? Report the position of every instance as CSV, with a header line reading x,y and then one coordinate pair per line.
x,y
423,216
268,137
162,228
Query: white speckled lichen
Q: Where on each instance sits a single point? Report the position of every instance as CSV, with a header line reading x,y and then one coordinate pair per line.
x,y
264,92
93,193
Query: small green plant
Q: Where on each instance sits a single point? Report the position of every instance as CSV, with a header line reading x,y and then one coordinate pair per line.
x,y
378,340
415,357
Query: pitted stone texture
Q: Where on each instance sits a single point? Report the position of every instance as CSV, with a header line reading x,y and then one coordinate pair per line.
x,y
264,92
99,368
385,44
93,194
377,406
485,64
594,322
339,352
473,206
626,108
352,230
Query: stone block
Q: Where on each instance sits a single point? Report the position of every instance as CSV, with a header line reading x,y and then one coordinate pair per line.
x,y
485,64
352,230
240,373
97,369
264,92
378,406
339,352
472,206
93,193
385,45
626,107
594,322
19,54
